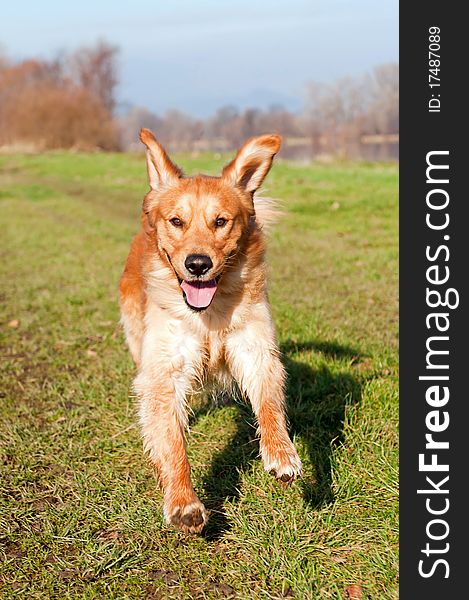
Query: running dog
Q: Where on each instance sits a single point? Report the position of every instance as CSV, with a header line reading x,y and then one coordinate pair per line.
x,y
194,309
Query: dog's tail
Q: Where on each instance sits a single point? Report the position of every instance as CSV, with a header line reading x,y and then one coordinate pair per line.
x,y
268,210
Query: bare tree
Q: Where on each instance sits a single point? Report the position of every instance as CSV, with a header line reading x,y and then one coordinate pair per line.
x,y
385,105
339,114
95,70
43,106
133,121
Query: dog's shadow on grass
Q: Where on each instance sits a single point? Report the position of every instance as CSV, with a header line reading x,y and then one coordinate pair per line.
x,y
316,403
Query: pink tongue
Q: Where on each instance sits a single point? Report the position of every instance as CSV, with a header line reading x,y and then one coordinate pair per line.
x,y
199,294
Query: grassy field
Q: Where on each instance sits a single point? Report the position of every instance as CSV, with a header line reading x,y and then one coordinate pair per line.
x,y
80,512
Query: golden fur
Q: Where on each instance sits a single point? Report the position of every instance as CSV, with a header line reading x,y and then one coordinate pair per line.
x,y
177,345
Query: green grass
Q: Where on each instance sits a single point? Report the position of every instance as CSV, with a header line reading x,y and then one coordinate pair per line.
x,y
80,513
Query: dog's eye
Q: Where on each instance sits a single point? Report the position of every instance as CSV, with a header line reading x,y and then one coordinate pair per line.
x,y
176,222
221,222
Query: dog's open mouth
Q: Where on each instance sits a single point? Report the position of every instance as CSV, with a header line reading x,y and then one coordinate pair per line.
x,y
199,294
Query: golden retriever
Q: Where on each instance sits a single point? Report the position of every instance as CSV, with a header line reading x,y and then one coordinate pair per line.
x,y
194,308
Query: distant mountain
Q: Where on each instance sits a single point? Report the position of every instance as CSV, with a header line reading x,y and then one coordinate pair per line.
x,y
259,98
202,106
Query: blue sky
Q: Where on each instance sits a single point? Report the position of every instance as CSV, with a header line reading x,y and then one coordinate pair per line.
x,y
198,55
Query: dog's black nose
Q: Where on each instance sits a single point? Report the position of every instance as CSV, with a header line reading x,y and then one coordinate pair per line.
x,y
198,264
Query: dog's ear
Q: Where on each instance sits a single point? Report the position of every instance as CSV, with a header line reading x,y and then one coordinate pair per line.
x,y
161,170
252,162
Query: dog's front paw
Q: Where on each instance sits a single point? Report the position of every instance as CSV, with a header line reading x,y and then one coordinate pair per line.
x,y
284,464
190,518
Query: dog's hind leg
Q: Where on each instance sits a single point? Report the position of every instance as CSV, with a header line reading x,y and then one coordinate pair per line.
x,y
254,361
132,322
165,377
132,300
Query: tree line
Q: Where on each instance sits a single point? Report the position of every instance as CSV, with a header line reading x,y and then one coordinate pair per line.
x,y
70,102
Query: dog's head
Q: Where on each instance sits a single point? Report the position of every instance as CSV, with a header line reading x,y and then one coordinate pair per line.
x,y
200,221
